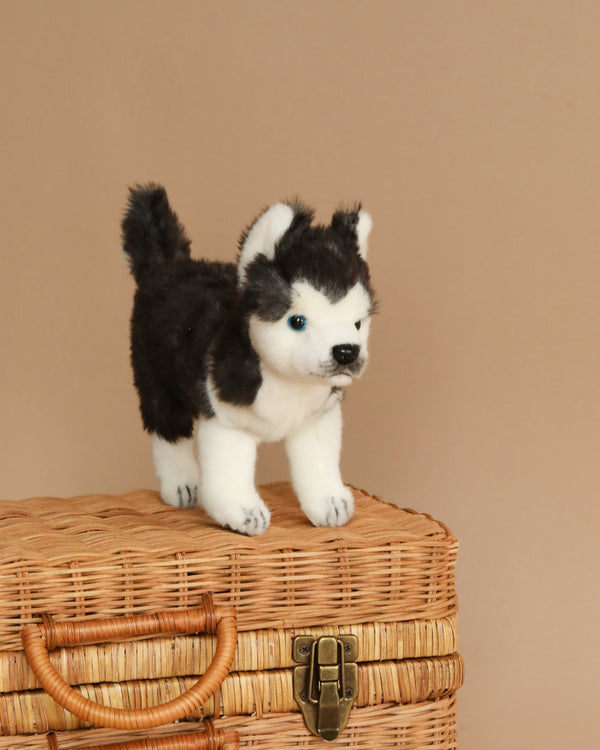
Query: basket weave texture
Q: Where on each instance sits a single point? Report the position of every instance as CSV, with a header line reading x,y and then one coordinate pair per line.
x,y
256,650
205,737
431,724
242,693
103,556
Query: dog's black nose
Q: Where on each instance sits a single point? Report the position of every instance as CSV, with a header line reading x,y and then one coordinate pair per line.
x,y
345,353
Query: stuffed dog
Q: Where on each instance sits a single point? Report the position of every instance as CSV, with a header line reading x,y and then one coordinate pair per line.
x,y
228,355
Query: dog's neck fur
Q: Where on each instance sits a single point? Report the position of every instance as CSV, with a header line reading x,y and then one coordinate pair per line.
x,y
281,406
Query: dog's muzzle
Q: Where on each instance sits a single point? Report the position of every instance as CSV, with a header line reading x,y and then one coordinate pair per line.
x,y
345,354
345,363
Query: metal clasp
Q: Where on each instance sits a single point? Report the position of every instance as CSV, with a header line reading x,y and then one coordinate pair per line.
x,y
326,682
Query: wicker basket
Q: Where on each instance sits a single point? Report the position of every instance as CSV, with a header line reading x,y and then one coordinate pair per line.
x,y
127,576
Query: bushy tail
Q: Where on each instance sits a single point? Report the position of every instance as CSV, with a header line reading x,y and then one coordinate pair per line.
x,y
152,234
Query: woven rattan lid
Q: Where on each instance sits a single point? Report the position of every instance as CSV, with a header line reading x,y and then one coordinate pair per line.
x,y
100,555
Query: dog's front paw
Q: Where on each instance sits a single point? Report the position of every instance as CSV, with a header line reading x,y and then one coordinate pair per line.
x,y
332,509
249,516
256,520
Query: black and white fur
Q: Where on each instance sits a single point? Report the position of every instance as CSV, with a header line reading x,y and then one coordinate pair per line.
x,y
226,356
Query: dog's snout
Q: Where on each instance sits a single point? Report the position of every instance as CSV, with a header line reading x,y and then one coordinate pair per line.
x,y
345,354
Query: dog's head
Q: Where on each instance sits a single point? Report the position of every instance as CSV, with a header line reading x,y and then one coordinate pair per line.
x,y
307,293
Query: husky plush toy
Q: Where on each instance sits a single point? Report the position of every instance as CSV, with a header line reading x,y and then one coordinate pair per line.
x,y
233,355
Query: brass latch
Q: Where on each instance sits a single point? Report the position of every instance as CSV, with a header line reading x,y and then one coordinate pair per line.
x,y
326,682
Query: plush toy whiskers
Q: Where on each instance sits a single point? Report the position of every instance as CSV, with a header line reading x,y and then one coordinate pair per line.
x,y
227,355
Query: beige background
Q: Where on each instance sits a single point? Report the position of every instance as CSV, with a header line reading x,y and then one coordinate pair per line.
x,y
471,131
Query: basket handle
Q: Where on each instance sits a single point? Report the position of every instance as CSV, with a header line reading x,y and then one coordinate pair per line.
x,y
38,639
210,739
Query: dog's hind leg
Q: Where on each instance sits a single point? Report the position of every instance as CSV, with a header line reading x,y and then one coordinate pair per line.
x,y
314,455
177,471
227,461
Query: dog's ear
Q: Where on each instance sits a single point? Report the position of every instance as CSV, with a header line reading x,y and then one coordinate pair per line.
x,y
263,235
363,230
355,226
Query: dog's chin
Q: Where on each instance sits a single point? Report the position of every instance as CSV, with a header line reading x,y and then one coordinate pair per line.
x,y
337,376
341,376
340,379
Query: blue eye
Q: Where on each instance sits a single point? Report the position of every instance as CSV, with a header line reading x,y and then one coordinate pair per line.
x,y
297,322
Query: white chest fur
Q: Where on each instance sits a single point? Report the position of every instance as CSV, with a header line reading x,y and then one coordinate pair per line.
x,y
281,407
